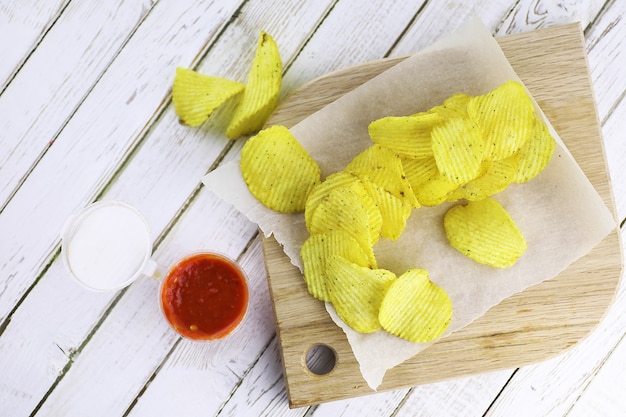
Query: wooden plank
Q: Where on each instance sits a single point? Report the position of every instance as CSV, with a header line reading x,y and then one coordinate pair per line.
x,y
605,394
491,342
339,44
606,62
24,22
46,92
468,396
537,14
438,19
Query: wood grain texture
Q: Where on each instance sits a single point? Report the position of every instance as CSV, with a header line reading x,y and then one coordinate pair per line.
x,y
521,329
25,23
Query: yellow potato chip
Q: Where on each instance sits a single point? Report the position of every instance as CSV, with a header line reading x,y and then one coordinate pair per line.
x,y
279,172
496,178
357,292
483,231
458,149
316,251
262,91
506,117
408,136
394,211
196,96
434,191
453,106
418,171
343,179
346,209
383,167
534,156
414,308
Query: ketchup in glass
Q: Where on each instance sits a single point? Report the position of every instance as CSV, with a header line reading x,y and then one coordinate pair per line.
x,y
204,296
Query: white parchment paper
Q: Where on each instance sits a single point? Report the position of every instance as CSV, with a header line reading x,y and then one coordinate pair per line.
x,y
559,212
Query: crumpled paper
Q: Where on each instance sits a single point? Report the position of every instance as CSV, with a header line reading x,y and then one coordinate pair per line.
x,y
559,212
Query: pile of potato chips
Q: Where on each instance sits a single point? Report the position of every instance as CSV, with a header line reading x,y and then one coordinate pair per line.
x,y
468,148
196,96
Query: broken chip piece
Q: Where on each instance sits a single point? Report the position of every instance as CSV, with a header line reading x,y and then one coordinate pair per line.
x,y
195,96
485,232
262,91
279,172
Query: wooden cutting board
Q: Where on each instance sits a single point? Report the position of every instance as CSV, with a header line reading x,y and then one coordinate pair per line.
x,y
528,327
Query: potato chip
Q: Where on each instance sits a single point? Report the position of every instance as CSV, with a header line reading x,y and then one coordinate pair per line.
x,y
383,167
483,231
357,292
196,96
534,156
408,136
458,149
415,308
279,172
316,251
262,91
453,106
434,191
346,209
394,211
506,117
345,180
418,171
496,178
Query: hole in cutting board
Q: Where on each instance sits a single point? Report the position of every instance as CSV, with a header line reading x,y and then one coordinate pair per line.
x,y
320,359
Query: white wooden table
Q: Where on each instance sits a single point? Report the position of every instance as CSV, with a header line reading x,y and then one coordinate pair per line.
x,y
86,115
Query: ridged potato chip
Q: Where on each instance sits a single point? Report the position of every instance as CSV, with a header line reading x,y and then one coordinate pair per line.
x,y
453,106
383,167
414,308
458,149
357,292
195,96
346,180
434,191
496,178
346,209
279,172
483,231
418,171
394,211
262,91
408,136
506,117
534,156
316,251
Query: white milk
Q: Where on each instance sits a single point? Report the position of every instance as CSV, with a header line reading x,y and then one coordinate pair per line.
x,y
107,246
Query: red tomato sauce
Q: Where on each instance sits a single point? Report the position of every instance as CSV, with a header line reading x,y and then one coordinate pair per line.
x,y
204,297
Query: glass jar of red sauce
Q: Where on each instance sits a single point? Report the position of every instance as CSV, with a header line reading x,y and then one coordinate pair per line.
x,y
204,296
